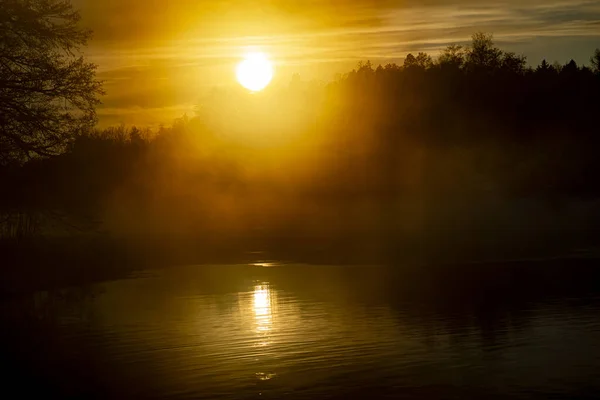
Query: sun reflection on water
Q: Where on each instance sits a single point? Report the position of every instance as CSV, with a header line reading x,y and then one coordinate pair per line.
x,y
264,264
263,313
263,319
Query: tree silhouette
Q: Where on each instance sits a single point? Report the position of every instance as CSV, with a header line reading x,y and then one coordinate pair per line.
x,y
48,92
452,57
483,54
424,60
513,63
544,67
595,60
410,61
570,69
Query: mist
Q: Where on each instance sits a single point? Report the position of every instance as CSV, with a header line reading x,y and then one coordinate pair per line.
x,y
472,156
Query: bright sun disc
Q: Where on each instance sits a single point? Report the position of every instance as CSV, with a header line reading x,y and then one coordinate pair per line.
x,y
255,72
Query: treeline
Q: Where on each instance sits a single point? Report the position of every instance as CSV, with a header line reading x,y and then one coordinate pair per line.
x,y
531,130
476,122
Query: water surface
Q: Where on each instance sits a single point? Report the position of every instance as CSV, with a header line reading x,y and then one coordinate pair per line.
x,y
308,332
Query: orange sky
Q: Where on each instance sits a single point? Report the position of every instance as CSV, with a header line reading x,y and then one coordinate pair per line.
x,y
158,57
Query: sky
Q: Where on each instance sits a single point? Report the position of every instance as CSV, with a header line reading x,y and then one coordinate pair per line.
x,y
158,58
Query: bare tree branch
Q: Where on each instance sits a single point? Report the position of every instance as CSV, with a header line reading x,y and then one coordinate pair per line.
x,y
48,94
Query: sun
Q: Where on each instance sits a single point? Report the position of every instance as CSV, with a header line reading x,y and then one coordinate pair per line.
x,y
255,72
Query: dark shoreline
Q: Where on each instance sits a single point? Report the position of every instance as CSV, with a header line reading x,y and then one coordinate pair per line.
x,y
48,264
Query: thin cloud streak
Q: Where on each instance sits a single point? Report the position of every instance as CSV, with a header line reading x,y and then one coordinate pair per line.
x,y
442,25
180,67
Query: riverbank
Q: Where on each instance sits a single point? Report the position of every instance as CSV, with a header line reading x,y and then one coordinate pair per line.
x,y
59,262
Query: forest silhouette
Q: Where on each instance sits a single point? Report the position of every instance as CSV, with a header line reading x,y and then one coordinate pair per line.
x,y
471,154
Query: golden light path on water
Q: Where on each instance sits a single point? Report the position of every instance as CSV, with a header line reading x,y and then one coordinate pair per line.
x,y
263,318
262,309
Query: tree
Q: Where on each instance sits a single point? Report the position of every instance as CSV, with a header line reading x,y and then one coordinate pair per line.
x,y
546,71
483,54
571,68
424,60
556,66
392,67
543,67
48,92
365,67
452,57
596,61
410,61
513,63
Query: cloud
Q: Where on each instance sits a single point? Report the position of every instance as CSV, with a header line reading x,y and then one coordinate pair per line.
x,y
146,19
140,20
156,54
218,29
